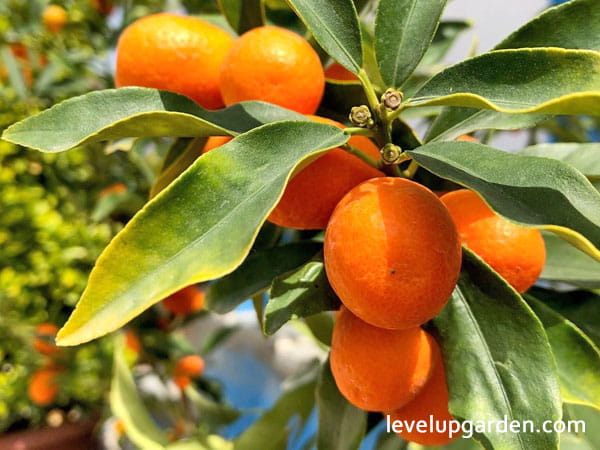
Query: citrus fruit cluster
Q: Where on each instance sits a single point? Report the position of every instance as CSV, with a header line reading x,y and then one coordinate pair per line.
x,y
392,247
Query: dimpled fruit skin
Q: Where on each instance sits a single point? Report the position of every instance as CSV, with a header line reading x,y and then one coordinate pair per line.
x,y
378,369
392,253
174,53
432,400
276,66
311,196
517,253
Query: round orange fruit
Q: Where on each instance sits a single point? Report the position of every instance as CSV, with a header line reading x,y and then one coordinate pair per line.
x,y
191,365
392,253
517,253
378,369
43,387
174,53
431,401
312,194
54,18
185,301
273,65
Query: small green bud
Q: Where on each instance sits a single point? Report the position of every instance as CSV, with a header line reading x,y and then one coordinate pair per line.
x,y
361,116
391,154
392,99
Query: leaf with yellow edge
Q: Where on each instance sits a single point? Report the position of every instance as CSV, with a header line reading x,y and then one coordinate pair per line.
x,y
199,228
531,191
539,80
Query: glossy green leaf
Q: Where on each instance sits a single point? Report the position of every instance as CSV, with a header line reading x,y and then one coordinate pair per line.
x,y
199,228
301,293
256,274
404,30
335,26
243,15
185,158
341,424
580,307
136,112
271,431
584,157
498,359
321,327
532,191
577,358
127,405
453,122
541,80
567,264
574,25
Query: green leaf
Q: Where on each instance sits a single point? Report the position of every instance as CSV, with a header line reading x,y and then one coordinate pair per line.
x,y
580,307
531,191
591,419
584,157
128,406
444,38
341,424
541,80
243,15
213,414
498,359
320,327
335,26
256,274
567,264
136,112
300,294
404,30
199,228
185,157
271,431
574,25
577,358
453,122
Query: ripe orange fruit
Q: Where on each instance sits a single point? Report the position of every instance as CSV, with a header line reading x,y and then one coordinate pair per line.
x,y
54,18
43,387
185,301
182,381
175,53
43,342
339,73
392,253
468,138
273,65
517,253
378,369
191,365
432,400
312,194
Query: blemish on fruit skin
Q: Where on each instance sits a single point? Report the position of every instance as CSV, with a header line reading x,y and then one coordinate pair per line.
x,y
393,271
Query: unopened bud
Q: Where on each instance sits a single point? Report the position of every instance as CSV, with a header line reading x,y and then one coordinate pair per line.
x,y
392,99
391,154
361,116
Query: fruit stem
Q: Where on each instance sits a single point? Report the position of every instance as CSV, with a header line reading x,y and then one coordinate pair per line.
x,y
411,170
369,89
377,164
359,131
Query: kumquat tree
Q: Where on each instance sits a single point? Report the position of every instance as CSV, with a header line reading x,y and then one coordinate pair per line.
x,y
323,163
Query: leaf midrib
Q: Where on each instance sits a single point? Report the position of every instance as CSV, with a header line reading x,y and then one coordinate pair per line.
x,y
488,353
402,39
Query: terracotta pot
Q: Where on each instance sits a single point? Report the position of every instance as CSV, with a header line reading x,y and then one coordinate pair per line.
x,y
71,436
